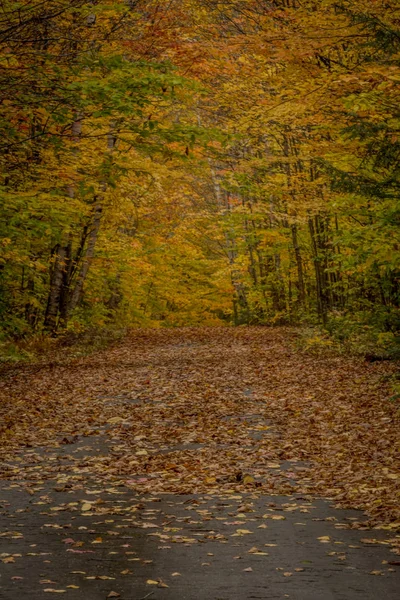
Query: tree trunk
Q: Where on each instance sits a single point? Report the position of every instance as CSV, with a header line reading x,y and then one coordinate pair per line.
x,y
87,260
56,285
299,264
321,305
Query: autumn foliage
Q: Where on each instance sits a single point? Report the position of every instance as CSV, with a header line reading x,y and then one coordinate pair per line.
x,y
200,162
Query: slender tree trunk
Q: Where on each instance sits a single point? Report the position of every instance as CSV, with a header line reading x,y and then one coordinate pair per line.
x,y
87,260
67,278
299,265
56,285
249,243
321,306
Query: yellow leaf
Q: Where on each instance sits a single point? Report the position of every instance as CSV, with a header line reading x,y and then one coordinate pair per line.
x,y
248,479
243,531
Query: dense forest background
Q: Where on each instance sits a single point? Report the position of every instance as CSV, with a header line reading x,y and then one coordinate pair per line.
x,y
200,162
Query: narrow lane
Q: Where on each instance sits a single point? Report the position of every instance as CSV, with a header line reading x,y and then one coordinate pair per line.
x,y
168,468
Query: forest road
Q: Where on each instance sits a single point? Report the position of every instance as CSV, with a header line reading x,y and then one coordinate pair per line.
x,y
178,465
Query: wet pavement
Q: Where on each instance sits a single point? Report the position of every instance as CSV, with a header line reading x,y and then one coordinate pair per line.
x,y
64,533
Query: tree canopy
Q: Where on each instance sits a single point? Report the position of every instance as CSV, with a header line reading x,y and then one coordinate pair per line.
x,y
200,162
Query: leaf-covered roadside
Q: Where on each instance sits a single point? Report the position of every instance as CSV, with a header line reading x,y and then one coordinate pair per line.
x,y
215,410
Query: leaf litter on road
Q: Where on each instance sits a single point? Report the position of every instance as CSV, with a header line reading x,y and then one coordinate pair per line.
x,y
239,415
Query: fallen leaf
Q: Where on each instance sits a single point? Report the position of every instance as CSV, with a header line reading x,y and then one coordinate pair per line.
x,y
243,531
248,479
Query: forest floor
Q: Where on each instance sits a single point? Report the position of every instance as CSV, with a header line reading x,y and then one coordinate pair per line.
x,y
196,463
